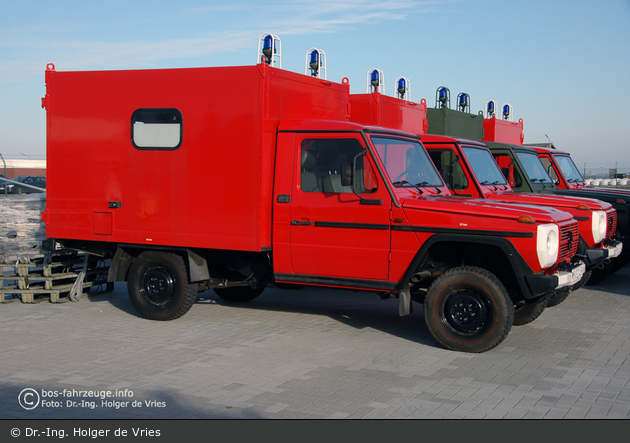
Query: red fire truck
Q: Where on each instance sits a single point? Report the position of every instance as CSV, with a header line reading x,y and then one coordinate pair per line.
x,y
229,178
476,175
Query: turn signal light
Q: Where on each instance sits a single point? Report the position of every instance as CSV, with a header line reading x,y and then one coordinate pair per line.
x,y
583,207
527,219
620,201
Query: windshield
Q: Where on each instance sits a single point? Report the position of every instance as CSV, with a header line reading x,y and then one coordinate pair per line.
x,y
533,167
484,167
406,162
568,168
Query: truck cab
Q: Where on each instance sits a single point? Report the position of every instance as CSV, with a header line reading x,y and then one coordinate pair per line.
x,y
525,172
469,168
569,181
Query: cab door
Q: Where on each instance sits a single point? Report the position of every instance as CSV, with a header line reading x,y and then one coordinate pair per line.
x,y
334,233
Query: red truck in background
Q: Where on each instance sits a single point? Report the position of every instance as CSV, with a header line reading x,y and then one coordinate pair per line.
x,y
500,134
230,178
469,168
568,181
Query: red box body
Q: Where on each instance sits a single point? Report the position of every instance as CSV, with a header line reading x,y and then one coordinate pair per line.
x,y
503,131
381,110
206,193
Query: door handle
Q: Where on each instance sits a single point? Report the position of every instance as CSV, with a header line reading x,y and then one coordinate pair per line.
x,y
300,223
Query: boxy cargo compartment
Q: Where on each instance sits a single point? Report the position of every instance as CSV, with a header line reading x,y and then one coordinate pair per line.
x,y
172,157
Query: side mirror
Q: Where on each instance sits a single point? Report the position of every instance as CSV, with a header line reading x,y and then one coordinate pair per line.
x,y
447,174
346,174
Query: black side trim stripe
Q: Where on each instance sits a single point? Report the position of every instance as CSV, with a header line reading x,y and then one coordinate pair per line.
x,y
463,231
582,218
332,281
325,224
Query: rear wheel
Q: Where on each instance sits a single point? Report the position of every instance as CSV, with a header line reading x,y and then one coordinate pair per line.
x,y
468,309
158,286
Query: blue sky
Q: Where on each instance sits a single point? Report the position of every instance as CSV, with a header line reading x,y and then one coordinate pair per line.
x,y
563,65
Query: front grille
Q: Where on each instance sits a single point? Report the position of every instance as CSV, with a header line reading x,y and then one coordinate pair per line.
x,y
568,241
611,224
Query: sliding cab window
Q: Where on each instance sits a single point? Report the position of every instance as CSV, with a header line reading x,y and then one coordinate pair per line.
x,y
322,163
157,129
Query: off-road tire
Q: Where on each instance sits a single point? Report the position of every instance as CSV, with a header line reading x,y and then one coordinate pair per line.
x,y
525,313
468,309
558,297
239,294
582,281
158,286
598,274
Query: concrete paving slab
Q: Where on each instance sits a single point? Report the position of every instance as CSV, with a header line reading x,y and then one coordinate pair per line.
x,y
310,353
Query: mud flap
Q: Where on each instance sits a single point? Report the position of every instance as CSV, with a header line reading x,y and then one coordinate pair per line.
x,y
404,302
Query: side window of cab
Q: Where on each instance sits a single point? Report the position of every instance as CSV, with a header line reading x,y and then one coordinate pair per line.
x,y
322,162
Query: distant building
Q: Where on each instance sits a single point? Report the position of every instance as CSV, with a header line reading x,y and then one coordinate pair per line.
x,y
18,167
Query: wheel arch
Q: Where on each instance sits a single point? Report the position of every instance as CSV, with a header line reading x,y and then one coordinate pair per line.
x,y
494,250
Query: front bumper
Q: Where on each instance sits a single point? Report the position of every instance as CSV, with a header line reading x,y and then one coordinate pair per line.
x,y
542,284
596,256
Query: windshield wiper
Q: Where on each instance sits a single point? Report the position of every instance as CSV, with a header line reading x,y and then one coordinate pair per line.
x,y
403,183
487,183
429,185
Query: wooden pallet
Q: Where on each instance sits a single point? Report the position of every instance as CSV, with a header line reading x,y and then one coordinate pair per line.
x,y
57,277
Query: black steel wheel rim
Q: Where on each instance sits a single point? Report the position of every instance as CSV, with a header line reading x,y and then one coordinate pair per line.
x,y
158,285
466,311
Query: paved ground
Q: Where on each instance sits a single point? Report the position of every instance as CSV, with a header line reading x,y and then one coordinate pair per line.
x,y
310,353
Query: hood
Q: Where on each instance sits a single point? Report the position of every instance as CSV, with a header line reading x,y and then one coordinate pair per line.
x,y
479,208
563,202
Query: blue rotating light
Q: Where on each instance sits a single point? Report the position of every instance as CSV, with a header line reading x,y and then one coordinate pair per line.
x,y
314,64
375,81
507,111
490,109
443,96
402,87
268,48
375,78
463,101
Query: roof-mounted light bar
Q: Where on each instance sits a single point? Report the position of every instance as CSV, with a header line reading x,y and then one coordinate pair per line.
x,y
315,62
269,50
463,102
443,97
402,86
375,80
491,109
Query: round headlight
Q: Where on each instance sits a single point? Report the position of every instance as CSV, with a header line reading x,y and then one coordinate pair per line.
x,y
547,244
552,243
599,226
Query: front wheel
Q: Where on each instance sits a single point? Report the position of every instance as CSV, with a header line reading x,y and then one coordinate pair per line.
x,y
599,274
468,309
158,286
558,296
525,313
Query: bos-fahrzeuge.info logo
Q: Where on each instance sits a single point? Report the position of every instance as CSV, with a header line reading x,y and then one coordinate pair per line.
x,y
30,398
